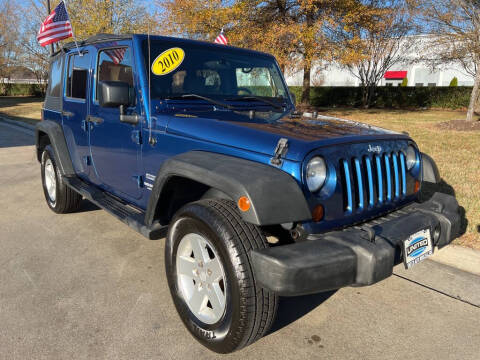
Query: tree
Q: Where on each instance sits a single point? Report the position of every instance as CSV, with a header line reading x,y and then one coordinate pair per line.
x,y
454,82
404,82
456,24
247,23
373,40
33,56
90,17
9,34
297,32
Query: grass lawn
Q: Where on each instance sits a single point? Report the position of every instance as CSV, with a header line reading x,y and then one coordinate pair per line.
x,y
26,109
456,153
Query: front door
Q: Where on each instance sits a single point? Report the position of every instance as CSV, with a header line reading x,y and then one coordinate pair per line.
x,y
75,110
115,146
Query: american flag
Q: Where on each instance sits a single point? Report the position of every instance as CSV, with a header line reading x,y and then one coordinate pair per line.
x,y
116,54
221,39
56,26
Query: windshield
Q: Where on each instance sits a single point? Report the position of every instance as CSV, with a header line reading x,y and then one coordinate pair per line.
x,y
220,74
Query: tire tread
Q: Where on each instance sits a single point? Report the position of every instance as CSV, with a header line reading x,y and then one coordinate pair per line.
x,y
251,238
67,199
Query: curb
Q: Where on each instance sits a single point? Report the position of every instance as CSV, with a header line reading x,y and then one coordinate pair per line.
x,y
17,123
459,257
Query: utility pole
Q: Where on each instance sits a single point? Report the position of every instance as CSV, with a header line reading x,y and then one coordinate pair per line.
x,y
52,49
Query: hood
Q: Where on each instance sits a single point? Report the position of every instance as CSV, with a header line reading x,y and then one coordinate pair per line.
x,y
304,134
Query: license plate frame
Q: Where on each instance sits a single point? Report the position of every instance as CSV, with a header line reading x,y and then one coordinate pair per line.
x,y
417,247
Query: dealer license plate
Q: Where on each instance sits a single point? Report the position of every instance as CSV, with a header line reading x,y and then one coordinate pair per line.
x,y
417,248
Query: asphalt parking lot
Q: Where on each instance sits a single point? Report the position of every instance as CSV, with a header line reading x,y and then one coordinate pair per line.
x,y
85,286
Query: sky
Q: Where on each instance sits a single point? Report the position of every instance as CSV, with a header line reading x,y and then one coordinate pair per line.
x,y
53,3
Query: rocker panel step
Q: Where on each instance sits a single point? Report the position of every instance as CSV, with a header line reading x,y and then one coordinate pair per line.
x,y
122,211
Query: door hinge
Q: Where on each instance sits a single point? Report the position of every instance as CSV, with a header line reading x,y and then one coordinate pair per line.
x,y
280,151
139,180
137,137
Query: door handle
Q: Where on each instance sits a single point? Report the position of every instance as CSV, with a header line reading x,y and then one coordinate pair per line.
x,y
94,119
67,113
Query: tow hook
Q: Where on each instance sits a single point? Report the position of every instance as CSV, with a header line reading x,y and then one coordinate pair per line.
x,y
298,233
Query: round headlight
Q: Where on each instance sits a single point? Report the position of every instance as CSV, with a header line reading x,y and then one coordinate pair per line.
x,y
316,173
411,157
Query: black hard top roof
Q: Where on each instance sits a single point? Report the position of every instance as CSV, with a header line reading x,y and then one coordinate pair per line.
x,y
99,38
93,40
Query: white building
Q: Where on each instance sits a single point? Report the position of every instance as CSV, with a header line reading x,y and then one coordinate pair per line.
x,y
417,71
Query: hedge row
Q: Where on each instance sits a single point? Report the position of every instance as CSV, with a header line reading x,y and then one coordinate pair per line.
x,y
390,97
21,90
325,96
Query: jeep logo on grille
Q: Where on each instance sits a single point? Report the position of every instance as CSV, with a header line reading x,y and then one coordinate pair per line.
x,y
376,149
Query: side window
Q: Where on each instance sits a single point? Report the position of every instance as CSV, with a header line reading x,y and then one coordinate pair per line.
x,y
115,65
77,76
55,78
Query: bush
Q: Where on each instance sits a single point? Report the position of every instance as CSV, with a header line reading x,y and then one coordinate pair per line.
x,y
390,97
454,82
404,82
22,90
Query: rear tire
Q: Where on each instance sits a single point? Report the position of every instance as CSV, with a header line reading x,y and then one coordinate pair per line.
x,y
60,198
249,310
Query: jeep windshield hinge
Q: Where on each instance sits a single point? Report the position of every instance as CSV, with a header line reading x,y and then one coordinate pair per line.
x,y
280,151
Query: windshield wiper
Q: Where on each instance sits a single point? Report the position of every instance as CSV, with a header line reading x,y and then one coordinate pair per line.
x,y
196,96
258,98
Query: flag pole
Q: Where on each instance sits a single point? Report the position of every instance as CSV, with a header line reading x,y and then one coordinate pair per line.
x,y
52,49
73,33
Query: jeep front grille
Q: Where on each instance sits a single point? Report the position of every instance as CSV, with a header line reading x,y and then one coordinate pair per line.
x,y
371,181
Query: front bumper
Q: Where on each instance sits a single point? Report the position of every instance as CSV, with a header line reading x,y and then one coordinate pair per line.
x,y
357,256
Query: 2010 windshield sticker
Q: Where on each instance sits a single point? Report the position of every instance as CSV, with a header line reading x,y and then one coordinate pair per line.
x,y
168,61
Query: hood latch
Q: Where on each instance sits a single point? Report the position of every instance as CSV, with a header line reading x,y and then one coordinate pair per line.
x,y
280,151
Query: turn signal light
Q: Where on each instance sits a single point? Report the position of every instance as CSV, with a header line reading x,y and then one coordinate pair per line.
x,y
318,213
417,186
243,203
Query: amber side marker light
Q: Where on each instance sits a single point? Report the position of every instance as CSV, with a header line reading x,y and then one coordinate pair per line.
x,y
243,203
417,186
318,213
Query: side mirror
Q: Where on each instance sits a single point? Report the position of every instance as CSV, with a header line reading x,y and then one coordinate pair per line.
x,y
113,93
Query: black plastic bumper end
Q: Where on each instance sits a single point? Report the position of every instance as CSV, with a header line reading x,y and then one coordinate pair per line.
x,y
352,257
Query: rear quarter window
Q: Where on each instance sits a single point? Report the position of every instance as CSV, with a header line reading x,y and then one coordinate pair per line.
x,y
55,83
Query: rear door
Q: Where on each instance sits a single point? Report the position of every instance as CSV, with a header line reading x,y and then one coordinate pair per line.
x,y
75,110
115,146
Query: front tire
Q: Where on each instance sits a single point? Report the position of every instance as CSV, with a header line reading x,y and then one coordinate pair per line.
x,y
209,272
60,198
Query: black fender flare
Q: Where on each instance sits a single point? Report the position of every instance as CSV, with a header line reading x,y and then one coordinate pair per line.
x,y
430,171
275,196
56,136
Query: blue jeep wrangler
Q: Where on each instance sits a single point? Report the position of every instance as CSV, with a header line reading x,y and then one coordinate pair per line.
x,y
201,142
